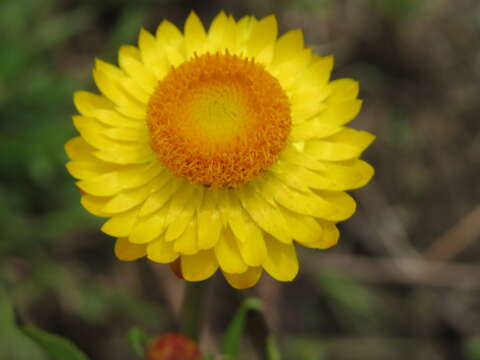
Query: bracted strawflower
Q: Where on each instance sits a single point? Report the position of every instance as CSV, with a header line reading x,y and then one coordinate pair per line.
x,y
172,347
220,149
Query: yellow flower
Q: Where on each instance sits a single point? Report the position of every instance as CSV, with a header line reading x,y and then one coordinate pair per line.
x,y
222,149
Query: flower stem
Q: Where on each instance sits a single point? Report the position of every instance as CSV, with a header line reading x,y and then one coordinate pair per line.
x,y
193,308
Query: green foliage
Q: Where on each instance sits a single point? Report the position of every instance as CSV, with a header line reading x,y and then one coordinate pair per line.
x,y
273,352
138,340
399,9
317,6
349,295
472,348
56,346
235,329
35,103
127,29
400,132
29,342
14,344
303,348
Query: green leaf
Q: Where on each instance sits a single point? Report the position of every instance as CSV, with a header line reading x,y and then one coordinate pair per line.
x,y
56,346
138,340
236,327
472,348
273,352
13,343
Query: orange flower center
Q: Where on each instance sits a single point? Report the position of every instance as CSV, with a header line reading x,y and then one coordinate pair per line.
x,y
218,120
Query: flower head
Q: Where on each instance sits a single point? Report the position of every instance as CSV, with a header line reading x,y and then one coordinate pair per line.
x,y
173,347
224,148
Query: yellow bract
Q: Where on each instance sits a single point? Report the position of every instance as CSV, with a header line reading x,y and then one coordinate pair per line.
x,y
245,226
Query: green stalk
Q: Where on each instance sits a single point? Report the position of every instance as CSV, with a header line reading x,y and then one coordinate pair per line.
x,y
193,308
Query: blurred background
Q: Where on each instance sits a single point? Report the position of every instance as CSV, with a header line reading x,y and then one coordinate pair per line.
x,y
404,282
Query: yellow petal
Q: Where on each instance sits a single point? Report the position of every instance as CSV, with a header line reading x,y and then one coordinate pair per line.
x,y
128,252
161,251
200,266
249,236
115,119
121,225
102,185
95,205
182,199
169,35
361,139
170,39
147,44
136,135
289,43
265,56
308,203
148,228
85,169
312,129
153,54
95,134
244,29
87,103
346,175
305,110
108,79
245,280
195,35
78,149
111,183
343,204
124,154
228,254
138,72
110,150
134,89
127,199
92,131
281,262
340,113
187,243
294,156
263,33
128,51
209,222
345,145
253,249
216,27
135,110
266,216
343,90
330,236
159,198
308,103
316,76
290,174
222,34
287,72
181,210
305,229
333,176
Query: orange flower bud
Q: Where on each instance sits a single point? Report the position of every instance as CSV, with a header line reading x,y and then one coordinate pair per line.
x,y
173,347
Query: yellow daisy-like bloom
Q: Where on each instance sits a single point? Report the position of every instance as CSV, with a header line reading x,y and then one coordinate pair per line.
x,y
219,149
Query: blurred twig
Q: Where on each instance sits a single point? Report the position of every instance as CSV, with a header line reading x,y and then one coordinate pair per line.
x,y
385,227
385,270
456,239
